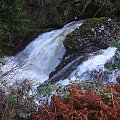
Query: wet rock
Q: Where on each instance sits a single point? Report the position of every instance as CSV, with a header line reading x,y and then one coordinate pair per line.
x,y
93,35
66,69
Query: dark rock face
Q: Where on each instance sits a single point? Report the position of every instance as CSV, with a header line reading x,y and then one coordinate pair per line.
x,y
93,35
65,71
56,13
118,79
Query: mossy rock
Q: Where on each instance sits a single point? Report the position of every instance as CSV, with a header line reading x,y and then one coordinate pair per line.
x,y
92,22
93,35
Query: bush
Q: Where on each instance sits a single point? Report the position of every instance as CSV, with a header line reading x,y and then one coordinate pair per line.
x,y
12,24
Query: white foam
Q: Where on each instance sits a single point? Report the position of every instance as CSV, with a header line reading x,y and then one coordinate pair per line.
x,y
96,62
39,58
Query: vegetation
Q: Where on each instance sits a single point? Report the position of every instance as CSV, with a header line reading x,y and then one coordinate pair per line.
x,y
89,100
21,21
81,103
12,25
15,103
81,106
116,64
86,27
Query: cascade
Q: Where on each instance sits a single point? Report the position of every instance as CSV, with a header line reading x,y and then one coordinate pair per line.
x,y
39,58
94,65
44,54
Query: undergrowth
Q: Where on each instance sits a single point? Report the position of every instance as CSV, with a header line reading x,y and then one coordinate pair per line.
x,y
86,101
82,106
16,103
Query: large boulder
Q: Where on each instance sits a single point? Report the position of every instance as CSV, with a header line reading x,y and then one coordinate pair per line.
x,y
93,35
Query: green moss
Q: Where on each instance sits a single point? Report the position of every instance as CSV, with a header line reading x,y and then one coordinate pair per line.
x,y
89,23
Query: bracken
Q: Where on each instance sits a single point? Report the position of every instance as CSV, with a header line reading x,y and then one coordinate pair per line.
x,y
82,106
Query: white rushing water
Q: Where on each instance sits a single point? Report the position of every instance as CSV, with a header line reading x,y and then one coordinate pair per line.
x,y
39,58
94,63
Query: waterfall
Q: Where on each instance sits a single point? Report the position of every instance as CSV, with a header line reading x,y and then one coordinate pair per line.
x,y
44,54
94,64
39,58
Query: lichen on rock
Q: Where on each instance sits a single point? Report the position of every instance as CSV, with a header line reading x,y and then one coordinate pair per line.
x,y
94,34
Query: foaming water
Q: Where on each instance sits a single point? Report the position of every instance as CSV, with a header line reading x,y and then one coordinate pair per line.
x,y
94,64
39,58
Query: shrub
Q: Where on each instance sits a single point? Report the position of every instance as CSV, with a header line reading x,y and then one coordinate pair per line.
x,y
12,24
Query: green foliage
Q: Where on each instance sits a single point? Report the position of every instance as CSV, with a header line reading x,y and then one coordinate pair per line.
x,y
14,105
47,90
12,24
50,89
116,44
116,64
92,22
100,88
